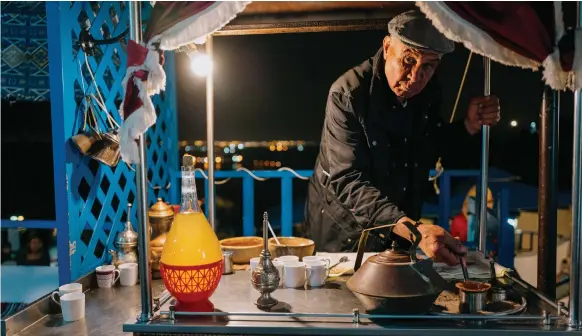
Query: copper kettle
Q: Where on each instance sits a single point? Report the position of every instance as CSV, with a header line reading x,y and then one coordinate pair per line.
x,y
395,281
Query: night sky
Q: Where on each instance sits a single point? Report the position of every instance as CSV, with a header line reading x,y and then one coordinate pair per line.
x,y
271,87
275,86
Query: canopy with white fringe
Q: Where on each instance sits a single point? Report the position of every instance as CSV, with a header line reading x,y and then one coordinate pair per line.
x,y
526,34
172,24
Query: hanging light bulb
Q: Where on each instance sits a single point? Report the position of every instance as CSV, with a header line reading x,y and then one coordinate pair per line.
x,y
200,63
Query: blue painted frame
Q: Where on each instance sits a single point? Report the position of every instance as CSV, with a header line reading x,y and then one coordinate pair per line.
x,y
60,58
73,213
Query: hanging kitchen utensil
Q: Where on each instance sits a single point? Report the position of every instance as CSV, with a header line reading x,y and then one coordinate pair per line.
x,y
90,134
107,148
395,281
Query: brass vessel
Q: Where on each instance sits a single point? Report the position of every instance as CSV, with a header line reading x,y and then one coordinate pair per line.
x,y
394,281
126,244
161,216
265,278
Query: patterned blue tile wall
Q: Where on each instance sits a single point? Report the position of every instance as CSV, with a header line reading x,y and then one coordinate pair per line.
x,y
24,51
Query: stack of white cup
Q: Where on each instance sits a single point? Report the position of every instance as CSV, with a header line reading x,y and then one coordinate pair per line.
x,y
313,270
72,301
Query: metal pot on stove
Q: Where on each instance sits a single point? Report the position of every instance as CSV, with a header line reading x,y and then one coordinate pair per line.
x,y
395,281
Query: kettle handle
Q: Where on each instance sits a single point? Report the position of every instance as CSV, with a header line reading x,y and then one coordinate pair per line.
x,y
364,239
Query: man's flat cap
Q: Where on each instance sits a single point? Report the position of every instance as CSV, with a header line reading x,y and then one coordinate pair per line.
x,y
416,31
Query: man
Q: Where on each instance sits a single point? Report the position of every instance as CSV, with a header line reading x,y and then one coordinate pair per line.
x,y
382,133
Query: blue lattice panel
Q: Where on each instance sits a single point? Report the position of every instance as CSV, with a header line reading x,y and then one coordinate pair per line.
x,y
97,195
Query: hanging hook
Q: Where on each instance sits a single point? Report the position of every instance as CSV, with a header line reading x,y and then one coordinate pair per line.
x,y
89,44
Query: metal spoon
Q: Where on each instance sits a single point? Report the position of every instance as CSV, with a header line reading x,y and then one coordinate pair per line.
x,y
342,260
464,268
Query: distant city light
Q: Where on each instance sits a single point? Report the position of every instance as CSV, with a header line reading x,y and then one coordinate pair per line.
x,y
513,123
240,146
226,150
300,148
13,218
512,222
532,124
218,159
188,148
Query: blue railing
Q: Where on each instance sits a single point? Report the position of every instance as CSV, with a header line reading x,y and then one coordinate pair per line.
x,y
506,235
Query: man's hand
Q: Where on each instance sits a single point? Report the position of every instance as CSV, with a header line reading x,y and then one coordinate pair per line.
x,y
482,111
436,243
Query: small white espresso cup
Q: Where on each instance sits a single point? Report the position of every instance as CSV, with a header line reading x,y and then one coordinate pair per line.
x,y
294,274
73,306
106,276
287,258
317,272
128,274
317,258
254,262
66,289
280,267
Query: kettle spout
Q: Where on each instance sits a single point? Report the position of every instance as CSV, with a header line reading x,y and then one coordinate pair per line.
x,y
114,259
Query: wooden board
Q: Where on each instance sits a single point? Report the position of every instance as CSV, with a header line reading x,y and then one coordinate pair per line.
x,y
275,17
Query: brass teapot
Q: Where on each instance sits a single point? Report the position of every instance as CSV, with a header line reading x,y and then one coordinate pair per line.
x,y
161,216
395,281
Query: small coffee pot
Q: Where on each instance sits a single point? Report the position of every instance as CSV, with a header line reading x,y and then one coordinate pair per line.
x,y
395,281
126,244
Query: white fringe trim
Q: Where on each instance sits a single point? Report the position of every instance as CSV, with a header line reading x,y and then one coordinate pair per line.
x,y
156,81
201,25
136,125
553,74
576,75
459,30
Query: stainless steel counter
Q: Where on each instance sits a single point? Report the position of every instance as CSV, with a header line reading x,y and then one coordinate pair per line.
x,y
113,312
235,294
105,312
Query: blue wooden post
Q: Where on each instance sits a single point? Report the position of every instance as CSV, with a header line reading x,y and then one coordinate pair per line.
x,y
445,200
506,237
248,206
62,117
287,206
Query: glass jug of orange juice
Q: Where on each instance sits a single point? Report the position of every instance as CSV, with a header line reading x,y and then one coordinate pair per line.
x,y
191,262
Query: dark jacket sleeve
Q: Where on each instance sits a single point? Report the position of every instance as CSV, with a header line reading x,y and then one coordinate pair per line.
x,y
349,164
457,148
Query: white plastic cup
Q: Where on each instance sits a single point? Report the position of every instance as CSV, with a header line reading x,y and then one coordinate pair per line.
x,y
317,258
66,289
73,306
280,267
106,276
287,259
317,273
254,262
128,274
295,274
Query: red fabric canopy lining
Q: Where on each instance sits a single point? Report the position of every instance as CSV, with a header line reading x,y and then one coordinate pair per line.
x,y
527,28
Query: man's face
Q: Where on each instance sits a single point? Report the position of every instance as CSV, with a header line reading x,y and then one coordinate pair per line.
x,y
408,70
